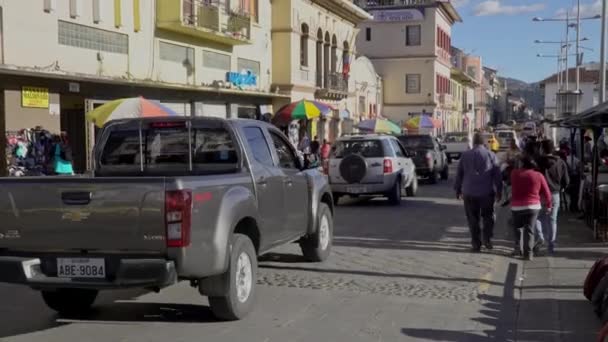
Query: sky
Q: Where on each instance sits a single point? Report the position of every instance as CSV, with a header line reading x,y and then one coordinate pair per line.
x,y
502,32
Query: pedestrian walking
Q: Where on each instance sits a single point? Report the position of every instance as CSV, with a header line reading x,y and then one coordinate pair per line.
x,y
325,152
479,184
527,187
510,162
557,176
315,146
62,155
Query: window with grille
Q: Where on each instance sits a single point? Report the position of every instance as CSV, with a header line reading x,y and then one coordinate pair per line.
x,y
412,36
247,64
216,60
412,83
176,53
85,37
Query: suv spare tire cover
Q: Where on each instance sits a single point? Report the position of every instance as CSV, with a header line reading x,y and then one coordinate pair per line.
x,y
353,168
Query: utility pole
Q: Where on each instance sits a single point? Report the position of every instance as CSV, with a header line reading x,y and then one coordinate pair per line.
x,y
567,50
603,52
578,29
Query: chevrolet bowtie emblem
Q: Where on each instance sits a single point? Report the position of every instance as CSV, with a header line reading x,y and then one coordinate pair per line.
x,y
75,216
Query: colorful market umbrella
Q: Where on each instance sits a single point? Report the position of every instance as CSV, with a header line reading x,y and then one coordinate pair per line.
x,y
136,107
301,110
422,121
379,126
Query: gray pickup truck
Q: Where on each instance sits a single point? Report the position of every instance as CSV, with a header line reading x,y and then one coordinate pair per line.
x,y
195,199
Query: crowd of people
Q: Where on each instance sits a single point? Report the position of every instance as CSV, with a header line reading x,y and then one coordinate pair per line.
x,y
533,176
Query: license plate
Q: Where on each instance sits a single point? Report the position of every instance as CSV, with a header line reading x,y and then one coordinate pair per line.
x,y
81,268
356,189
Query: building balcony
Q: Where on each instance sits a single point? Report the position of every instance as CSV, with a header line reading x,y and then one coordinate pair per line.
x,y
371,4
444,56
335,86
205,19
445,100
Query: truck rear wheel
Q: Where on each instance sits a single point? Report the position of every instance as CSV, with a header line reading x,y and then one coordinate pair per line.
x,y
317,247
239,281
70,301
394,196
411,190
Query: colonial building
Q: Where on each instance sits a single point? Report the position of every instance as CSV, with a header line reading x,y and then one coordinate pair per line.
x,y
198,57
409,42
313,51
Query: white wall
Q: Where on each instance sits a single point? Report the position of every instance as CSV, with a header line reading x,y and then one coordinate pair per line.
x,y
31,40
588,100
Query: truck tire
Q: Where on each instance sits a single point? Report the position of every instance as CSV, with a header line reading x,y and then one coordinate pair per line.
x,y
445,173
317,247
411,190
70,301
336,199
239,281
394,196
433,177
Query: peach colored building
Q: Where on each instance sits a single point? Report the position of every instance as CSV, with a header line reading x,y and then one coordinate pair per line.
x,y
409,42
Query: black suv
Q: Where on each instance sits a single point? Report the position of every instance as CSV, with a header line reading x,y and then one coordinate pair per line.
x,y
428,154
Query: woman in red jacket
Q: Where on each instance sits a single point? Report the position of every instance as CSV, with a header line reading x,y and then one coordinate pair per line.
x,y
527,187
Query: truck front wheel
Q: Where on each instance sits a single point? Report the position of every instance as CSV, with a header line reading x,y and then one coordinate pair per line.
x,y
317,247
238,282
70,301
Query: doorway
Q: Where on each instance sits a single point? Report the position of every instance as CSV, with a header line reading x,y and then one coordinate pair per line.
x,y
72,123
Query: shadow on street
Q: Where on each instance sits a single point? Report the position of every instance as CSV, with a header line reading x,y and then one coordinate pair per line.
x,y
23,310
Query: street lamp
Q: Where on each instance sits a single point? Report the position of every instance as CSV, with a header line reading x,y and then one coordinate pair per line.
x,y
597,16
561,42
576,26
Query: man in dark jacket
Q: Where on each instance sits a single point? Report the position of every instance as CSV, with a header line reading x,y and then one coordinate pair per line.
x,y
479,183
558,178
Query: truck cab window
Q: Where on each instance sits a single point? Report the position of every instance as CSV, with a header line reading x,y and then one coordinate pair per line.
x,y
259,146
287,158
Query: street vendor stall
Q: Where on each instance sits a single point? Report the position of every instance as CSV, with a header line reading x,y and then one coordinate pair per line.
x,y
595,195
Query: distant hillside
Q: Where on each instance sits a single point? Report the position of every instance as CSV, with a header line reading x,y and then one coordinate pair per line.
x,y
530,92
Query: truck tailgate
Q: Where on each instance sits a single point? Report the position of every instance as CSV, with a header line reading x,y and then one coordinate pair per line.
x,y
93,214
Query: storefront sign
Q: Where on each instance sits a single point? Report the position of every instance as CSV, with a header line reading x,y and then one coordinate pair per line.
x,y
242,79
34,97
411,14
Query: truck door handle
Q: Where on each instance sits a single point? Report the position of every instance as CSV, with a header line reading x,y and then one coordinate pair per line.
x,y
288,182
262,182
76,198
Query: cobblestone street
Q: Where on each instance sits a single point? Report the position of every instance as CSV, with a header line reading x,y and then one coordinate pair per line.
x,y
401,274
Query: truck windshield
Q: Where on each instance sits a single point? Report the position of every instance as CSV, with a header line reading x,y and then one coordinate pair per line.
x,y
169,149
456,138
413,141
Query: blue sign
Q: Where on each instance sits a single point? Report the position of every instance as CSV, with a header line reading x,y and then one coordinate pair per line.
x,y
240,79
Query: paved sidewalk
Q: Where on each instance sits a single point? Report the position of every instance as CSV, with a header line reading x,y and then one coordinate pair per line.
x,y
552,306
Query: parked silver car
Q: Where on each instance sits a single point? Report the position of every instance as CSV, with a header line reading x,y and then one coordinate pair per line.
x,y
371,165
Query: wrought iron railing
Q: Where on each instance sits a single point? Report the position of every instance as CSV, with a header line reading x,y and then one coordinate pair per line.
x,y
216,15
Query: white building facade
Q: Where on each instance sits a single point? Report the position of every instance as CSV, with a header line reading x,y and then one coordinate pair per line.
x,y
196,57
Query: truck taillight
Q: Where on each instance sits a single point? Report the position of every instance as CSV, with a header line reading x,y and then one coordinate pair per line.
x,y
388,166
429,159
178,209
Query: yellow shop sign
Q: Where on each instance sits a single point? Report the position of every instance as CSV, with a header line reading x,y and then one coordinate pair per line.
x,y
35,97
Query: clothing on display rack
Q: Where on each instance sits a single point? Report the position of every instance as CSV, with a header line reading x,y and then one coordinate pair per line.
x,y
29,152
